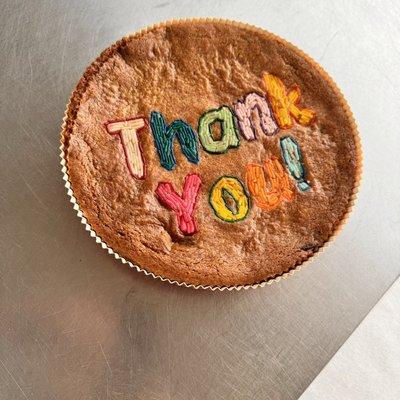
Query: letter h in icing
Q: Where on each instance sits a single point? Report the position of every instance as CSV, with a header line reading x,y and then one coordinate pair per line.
x,y
164,136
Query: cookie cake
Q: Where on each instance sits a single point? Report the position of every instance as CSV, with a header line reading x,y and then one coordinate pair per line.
x,y
210,153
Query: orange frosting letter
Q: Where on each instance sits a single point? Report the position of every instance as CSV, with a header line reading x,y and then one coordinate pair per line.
x,y
284,105
280,187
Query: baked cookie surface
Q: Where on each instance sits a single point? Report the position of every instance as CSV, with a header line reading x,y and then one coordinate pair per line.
x,y
210,152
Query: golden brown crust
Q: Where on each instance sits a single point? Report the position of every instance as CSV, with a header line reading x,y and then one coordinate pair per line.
x,y
182,69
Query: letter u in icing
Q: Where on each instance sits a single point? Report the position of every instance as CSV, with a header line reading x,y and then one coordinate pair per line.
x,y
267,196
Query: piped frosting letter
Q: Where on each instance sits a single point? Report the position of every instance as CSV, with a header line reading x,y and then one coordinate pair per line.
x,y
164,136
229,137
279,190
284,105
127,131
249,127
229,200
182,206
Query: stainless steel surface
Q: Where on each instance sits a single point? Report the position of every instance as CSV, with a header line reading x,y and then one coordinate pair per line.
x,y
76,324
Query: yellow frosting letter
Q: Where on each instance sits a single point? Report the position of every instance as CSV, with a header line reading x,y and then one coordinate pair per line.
x,y
226,191
284,105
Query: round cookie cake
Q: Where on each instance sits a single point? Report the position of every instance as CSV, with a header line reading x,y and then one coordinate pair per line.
x,y
210,153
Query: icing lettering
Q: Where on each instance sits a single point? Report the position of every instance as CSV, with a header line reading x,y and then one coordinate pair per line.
x,y
229,136
265,198
182,206
244,109
127,131
225,190
164,136
254,115
284,105
294,161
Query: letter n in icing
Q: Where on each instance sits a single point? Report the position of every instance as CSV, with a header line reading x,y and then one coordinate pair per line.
x,y
229,137
164,136
294,162
284,105
279,190
127,131
229,200
182,206
244,109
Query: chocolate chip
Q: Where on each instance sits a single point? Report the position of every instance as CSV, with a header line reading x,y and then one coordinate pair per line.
x,y
309,246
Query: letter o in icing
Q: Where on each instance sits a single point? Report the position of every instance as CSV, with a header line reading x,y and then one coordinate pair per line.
x,y
236,190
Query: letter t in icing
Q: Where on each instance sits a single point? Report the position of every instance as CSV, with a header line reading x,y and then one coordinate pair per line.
x,y
127,131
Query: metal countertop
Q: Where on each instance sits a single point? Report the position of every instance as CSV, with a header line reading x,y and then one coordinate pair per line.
x,y
76,324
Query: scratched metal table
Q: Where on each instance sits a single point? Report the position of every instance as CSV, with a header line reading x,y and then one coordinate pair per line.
x,y
76,324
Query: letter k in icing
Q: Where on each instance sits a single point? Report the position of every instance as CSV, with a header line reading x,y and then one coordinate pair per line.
x,y
285,105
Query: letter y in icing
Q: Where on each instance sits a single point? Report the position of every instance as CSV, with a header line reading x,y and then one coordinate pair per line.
x,y
182,206
127,131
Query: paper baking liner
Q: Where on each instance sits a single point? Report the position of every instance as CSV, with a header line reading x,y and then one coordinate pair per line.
x,y
69,119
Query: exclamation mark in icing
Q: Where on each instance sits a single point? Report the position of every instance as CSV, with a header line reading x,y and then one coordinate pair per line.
x,y
294,162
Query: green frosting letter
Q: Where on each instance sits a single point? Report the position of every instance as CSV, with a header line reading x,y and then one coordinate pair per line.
x,y
229,136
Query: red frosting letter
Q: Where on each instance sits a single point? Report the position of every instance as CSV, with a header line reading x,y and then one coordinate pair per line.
x,y
183,206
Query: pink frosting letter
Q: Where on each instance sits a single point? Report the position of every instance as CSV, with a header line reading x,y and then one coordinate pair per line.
x,y
182,206
243,110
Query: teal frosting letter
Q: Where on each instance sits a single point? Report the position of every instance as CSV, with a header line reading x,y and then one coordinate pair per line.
x,y
294,161
229,136
164,136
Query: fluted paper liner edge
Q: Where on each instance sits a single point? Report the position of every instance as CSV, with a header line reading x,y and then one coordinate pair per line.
x,y
268,281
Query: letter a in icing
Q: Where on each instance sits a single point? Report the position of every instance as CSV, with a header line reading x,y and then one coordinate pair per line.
x,y
284,105
232,187
244,109
164,136
265,198
182,206
127,131
229,137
